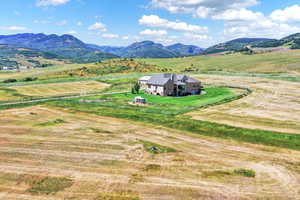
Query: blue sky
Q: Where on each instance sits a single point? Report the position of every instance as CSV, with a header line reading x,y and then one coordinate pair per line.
x,y
121,22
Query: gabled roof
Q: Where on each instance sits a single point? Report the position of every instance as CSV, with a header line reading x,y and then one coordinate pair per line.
x,y
192,80
160,79
178,79
145,78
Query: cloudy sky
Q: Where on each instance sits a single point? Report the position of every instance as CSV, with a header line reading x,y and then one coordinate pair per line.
x,y
121,22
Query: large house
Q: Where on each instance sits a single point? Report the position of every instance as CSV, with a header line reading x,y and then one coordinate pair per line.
x,y
171,85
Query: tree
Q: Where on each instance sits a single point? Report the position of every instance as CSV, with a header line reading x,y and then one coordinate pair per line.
x,y
136,88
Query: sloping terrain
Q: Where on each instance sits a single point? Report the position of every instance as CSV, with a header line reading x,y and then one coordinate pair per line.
x,y
63,47
106,158
291,41
149,49
269,63
273,105
235,45
11,57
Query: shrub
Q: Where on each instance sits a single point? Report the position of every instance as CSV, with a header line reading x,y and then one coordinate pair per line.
x,y
52,123
50,185
10,81
245,172
28,79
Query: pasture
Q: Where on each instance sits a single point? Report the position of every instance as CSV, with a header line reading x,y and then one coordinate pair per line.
x,y
273,105
226,144
95,157
59,89
275,62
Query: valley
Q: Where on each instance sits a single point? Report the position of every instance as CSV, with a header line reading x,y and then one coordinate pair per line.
x,y
86,139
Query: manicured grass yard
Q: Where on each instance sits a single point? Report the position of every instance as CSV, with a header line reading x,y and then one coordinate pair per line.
x,y
166,105
212,95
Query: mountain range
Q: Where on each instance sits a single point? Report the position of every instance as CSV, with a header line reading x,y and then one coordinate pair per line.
x,y
71,48
149,49
63,47
68,47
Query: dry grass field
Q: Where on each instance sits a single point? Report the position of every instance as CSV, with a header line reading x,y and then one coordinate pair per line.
x,y
274,104
6,96
51,153
57,89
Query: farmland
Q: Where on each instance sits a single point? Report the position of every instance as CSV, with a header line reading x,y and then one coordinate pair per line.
x,y
58,89
97,157
238,140
275,62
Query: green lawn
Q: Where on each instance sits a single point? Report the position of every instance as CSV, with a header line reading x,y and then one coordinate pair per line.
x,y
165,105
212,95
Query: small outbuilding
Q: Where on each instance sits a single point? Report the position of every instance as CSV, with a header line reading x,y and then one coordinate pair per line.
x,y
139,100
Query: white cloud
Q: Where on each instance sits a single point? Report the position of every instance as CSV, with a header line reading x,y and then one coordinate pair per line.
x,y
238,15
156,21
14,28
41,3
72,32
98,26
62,23
196,36
202,8
79,23
153,33
125,38
289,14
264,27
110,36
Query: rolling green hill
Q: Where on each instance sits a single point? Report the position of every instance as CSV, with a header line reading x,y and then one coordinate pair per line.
x,y
291,41
235,45
64,47
12,57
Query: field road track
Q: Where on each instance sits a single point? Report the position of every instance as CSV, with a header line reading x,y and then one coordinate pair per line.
x,y
56,98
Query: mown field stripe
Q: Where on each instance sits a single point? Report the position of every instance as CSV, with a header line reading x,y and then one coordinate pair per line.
x,y
284,140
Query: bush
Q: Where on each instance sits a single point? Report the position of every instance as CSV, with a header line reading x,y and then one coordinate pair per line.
x,y
10,81
245,172
50,185
28,79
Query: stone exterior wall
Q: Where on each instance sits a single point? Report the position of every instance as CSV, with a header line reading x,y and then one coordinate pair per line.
x,y
166,90
193,88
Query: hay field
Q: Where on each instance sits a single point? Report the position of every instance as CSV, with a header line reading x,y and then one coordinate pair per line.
x,y
275,62
274,104
103,158
57,89
6,96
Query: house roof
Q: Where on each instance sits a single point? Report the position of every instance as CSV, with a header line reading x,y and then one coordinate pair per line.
x,y
192,80
159,79
178,79
145,78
